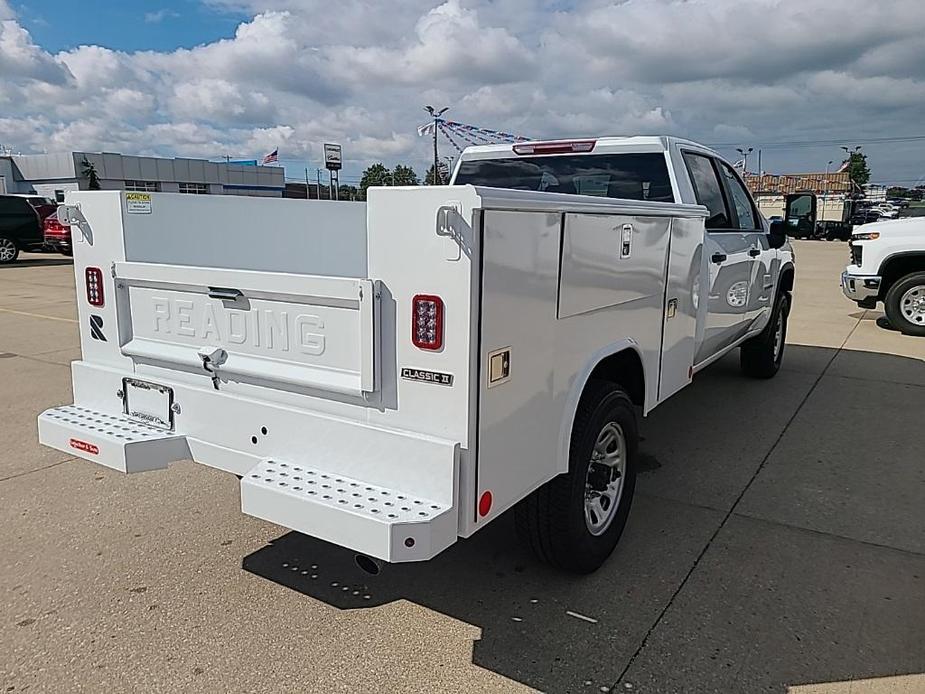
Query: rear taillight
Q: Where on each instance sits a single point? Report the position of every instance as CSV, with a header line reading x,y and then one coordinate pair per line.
x,y
427,322
56,229
94,286
561,147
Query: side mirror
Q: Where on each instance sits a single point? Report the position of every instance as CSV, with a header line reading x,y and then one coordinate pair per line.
x,y
777,234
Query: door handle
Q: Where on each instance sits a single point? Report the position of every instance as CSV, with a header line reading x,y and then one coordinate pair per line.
x,y
754,252
718,258
225,294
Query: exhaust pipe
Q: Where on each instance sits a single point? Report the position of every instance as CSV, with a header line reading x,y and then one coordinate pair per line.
x,y
368,564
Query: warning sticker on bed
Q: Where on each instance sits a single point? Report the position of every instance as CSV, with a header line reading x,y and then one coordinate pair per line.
x,y
138,203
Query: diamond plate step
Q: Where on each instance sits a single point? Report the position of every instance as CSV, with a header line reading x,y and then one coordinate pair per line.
x,y
390,524
111,440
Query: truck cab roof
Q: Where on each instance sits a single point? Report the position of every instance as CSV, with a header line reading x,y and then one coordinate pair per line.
x,y
647,167
610,144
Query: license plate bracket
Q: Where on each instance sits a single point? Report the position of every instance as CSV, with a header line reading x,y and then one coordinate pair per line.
x,y
149,403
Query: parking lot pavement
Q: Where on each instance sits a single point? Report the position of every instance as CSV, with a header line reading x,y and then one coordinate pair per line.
x,y
776,544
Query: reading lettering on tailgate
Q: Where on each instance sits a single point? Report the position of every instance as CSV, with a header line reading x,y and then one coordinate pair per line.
x,y
277,330
289,329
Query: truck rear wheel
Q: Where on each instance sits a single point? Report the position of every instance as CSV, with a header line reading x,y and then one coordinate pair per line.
x,y
575,520
905,304
761,356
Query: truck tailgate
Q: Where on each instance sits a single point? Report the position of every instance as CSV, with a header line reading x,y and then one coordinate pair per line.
x,y
262,327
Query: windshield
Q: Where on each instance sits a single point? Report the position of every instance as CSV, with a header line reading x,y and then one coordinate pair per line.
x,y
641,176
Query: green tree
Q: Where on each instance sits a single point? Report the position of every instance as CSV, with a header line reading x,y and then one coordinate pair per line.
x,y
89,172
375,175
347,192
404,176
858,170
443,176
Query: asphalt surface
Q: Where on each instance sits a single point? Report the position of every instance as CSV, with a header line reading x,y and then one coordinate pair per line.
x,y
777,544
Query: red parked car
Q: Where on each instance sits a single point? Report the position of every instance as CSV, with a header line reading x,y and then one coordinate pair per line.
x,y
57,235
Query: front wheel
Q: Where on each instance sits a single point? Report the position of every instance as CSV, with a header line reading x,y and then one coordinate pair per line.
x,y
575,520
905,304
762,355
9,251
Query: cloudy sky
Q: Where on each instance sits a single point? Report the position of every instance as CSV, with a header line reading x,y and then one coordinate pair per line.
x,y
208,78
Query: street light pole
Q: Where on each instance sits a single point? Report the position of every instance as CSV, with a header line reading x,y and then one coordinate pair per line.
x,y
436,116
825,189
745,153
851,151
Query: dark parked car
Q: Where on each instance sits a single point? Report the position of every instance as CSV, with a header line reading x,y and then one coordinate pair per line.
x,y
864,216
42,205
20,228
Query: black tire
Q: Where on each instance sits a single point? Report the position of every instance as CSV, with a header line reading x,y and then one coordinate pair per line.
x,y
6,254
898,310
761,356
552,519
67,253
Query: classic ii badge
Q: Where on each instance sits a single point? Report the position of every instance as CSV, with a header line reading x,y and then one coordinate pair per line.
x,y
427,376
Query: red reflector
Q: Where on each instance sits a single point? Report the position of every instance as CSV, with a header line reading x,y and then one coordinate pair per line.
x,y
554,147
94,277
485,504
427,321
84,446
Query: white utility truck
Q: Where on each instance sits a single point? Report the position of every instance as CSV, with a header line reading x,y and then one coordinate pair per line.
x,y
392,376
888,265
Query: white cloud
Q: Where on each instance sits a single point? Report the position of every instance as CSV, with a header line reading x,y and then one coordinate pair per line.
x,y
160,15
21,59
358,72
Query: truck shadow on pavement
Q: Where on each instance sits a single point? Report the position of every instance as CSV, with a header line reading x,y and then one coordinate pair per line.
x,y
686,594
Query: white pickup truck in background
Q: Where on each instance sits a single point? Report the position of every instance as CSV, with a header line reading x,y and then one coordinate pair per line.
x,y
395,375
888,265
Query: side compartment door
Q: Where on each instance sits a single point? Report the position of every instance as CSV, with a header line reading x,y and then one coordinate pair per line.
x,y
517,356
679,326
724,287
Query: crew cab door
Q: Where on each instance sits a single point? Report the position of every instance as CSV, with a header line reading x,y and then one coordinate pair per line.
x,y
760,272
725,281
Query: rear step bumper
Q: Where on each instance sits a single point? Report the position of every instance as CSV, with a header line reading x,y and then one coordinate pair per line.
x,y
412,521
110,440
384,523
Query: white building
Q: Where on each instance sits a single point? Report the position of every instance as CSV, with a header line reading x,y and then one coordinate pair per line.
x,y
874,192
53,174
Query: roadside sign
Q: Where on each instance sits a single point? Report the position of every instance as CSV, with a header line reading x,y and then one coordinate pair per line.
x,y
332,157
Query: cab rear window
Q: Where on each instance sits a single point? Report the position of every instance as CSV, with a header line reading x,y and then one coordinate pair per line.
x,y
632,176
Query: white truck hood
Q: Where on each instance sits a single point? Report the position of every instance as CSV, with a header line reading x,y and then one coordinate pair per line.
x,y
908,227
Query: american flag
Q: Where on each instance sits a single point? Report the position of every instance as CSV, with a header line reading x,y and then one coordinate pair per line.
x,y
272,157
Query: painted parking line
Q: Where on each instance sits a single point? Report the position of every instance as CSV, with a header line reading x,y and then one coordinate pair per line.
x,y
38,315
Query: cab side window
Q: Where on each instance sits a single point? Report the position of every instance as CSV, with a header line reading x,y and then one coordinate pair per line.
x,y
741,200
708,191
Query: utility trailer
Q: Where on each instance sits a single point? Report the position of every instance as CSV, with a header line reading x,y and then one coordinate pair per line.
x,y
392,376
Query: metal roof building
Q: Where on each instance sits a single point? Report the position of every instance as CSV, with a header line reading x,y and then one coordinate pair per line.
x,y
53,174
830,183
